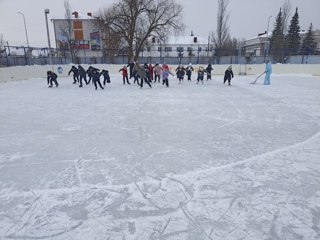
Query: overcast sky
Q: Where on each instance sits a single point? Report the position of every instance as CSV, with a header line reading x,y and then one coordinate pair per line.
x,y
247,17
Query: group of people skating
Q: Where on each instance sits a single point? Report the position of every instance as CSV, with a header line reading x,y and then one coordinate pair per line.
x,y
144,73
153,73
93,74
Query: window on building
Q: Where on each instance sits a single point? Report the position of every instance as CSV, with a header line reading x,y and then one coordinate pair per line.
x,y
159,49
179,49
168,49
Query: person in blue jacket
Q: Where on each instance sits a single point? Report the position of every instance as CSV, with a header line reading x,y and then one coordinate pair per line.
x,y
268,72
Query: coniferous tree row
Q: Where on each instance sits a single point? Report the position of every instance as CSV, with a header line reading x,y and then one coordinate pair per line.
x,y
282,45
293,36
308,44
277,40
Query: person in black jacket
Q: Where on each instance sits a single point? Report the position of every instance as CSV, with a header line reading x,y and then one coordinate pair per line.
x,y
189,71
90,73
96,78
52,77
180,71
75,74
146,68
200,75
228,74
131,66
82,74
208,71
106,76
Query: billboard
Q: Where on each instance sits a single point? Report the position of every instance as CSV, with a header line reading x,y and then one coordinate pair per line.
x,y
79,44
95,41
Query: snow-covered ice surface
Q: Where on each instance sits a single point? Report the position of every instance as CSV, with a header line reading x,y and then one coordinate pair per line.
x,y
187,162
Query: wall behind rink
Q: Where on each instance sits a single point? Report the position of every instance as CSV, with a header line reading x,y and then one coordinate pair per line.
x,y
38,71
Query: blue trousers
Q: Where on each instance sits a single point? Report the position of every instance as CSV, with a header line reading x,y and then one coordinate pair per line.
x,y
267,79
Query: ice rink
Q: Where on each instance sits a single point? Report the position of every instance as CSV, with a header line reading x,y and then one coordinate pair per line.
x,y
190,161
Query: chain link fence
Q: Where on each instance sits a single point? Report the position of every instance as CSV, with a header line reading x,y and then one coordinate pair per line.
x,y
22,56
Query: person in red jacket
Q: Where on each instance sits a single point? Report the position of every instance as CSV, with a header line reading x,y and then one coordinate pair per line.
x,y
124,75
151,71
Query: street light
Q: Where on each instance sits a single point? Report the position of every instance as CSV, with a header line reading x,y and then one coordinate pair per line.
x,y
46,12
25,28
267,43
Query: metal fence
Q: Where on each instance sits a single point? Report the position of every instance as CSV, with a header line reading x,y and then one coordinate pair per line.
x,y
21,56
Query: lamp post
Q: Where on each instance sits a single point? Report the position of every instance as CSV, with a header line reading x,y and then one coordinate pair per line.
x,y
267,42
46,12
25,27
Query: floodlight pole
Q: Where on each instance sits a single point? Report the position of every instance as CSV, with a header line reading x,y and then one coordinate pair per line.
x,y
25,28
268,42
46,12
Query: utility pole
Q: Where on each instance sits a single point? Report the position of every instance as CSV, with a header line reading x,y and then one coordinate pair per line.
x,y
46,12
25,28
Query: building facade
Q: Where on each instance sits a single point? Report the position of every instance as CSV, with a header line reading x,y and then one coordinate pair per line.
x,y
259,45
80,34
178,46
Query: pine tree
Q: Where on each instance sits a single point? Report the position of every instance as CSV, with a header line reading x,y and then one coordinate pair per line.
x,y
293,36
277,40
309,44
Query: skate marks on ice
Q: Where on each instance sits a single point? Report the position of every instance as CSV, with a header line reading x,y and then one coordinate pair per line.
x,y
45,214
274,196
256,193
271,196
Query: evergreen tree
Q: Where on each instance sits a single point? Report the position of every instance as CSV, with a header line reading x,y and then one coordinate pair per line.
x,y
293,36
309,44
277,40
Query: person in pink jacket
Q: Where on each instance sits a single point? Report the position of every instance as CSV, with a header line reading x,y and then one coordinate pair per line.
x,y
157,72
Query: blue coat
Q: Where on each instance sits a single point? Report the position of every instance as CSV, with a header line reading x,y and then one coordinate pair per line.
x,y
268,68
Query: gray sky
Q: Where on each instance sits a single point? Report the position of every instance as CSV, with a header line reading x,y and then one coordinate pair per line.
x,y
247,17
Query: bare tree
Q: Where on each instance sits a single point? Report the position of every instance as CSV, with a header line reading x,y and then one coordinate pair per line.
x,y
286,12
138,20
221,37
222,33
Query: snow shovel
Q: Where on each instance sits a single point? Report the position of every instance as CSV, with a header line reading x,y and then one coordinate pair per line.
x,y
254,82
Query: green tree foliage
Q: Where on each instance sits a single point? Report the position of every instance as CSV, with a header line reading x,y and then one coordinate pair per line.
x,y
293,36
277,40
309,44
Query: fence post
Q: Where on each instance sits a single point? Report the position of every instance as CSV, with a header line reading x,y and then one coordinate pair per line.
x,y
5,49
25,55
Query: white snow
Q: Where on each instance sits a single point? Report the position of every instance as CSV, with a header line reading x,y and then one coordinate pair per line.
x,y
185,162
